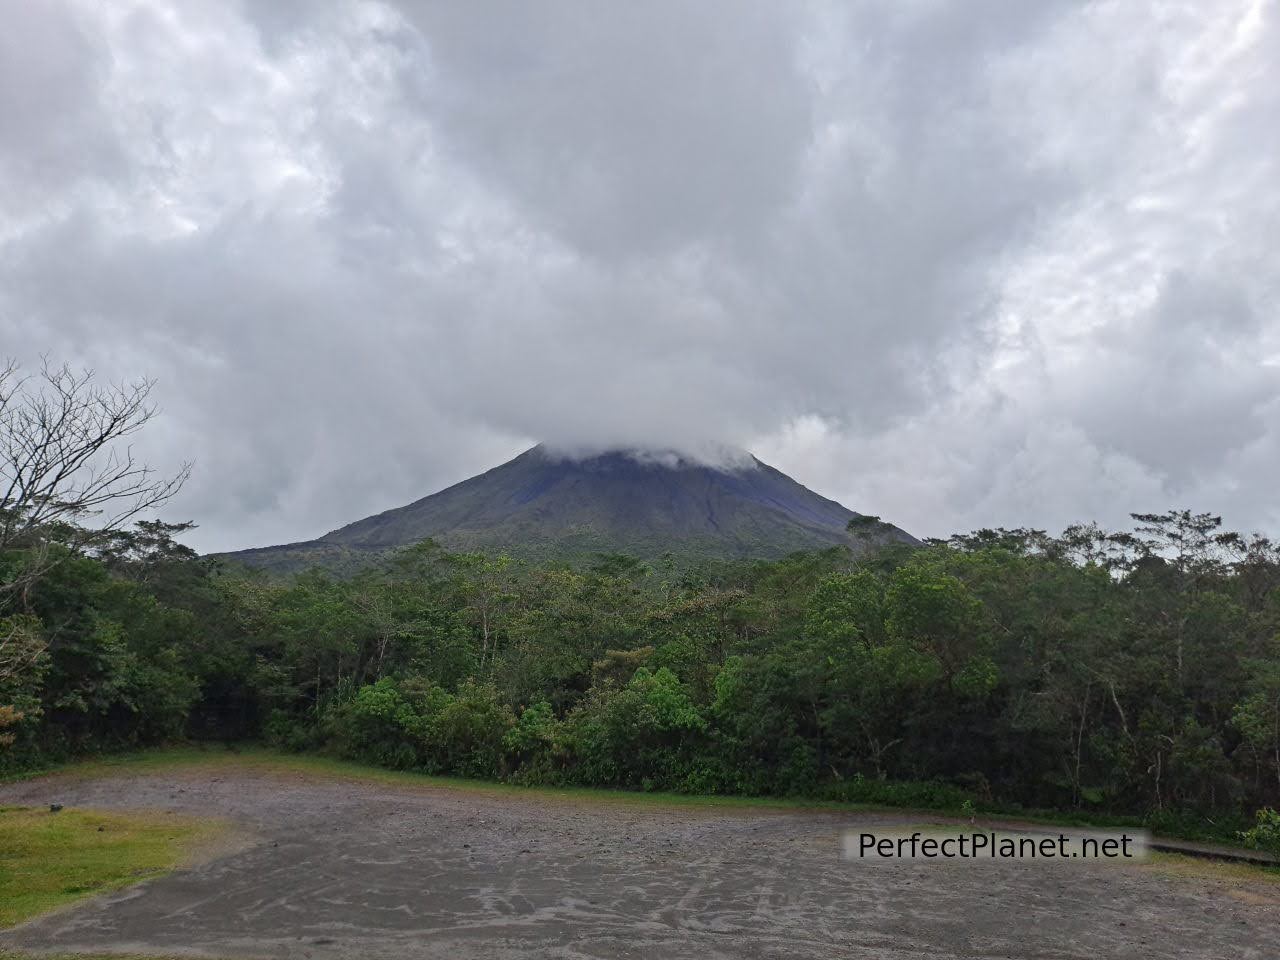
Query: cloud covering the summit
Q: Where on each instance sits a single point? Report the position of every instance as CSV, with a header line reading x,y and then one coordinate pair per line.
x,y
990,263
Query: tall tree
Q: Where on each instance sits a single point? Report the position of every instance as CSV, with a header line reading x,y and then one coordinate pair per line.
x,y
67,479
66,470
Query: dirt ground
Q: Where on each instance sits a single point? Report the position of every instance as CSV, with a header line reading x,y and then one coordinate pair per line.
x,y
328,868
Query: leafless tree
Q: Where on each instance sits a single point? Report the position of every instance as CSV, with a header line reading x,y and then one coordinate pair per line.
x,y
67,471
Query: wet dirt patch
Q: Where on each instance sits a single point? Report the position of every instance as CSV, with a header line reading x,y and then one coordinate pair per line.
x,y
339,868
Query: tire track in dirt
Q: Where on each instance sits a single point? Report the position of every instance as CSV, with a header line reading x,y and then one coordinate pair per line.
x,y
341,868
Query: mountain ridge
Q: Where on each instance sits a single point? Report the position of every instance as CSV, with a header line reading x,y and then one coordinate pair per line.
x,y
543,503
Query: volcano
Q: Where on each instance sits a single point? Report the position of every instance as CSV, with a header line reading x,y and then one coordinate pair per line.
x,y
544,505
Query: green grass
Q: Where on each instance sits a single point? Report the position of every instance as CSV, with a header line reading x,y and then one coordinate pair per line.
x,y
51,859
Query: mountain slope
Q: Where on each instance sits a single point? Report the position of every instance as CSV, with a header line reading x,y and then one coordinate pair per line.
x,y
540,504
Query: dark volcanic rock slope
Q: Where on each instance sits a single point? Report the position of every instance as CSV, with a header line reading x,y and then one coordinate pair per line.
x,y
540,504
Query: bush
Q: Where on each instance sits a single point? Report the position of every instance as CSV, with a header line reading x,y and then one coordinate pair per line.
x,y
922,795
290,732
376,725
1265,833
414,723
533,746
470,730
643,735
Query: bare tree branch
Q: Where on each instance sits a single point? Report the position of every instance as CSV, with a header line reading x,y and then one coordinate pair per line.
x,y
66,472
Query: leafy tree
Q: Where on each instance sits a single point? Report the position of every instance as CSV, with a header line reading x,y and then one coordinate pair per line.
x,y
1257,716
638,736
23,660
935,614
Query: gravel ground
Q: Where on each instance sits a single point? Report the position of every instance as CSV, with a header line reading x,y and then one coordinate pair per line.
x,y
342,868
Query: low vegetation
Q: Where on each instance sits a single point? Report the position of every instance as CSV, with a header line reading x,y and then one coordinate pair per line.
x,y
49,859
1265,833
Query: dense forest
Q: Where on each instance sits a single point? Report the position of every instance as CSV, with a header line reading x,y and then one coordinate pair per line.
x,y
1108,673
1111,674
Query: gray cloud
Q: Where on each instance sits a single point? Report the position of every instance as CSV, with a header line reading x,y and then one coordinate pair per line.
x,y
629,132
987,263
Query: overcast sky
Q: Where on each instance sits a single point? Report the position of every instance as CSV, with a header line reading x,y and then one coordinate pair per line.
x,y
990,262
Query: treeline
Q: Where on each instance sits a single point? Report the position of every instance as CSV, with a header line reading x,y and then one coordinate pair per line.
x,y
1111,673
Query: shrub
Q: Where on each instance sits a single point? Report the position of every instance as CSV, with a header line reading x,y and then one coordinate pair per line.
x,y
921,795
383,725
470,730
643,735
1265,833
532,745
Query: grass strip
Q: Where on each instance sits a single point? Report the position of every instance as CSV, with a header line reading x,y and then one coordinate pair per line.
x,y
50,859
